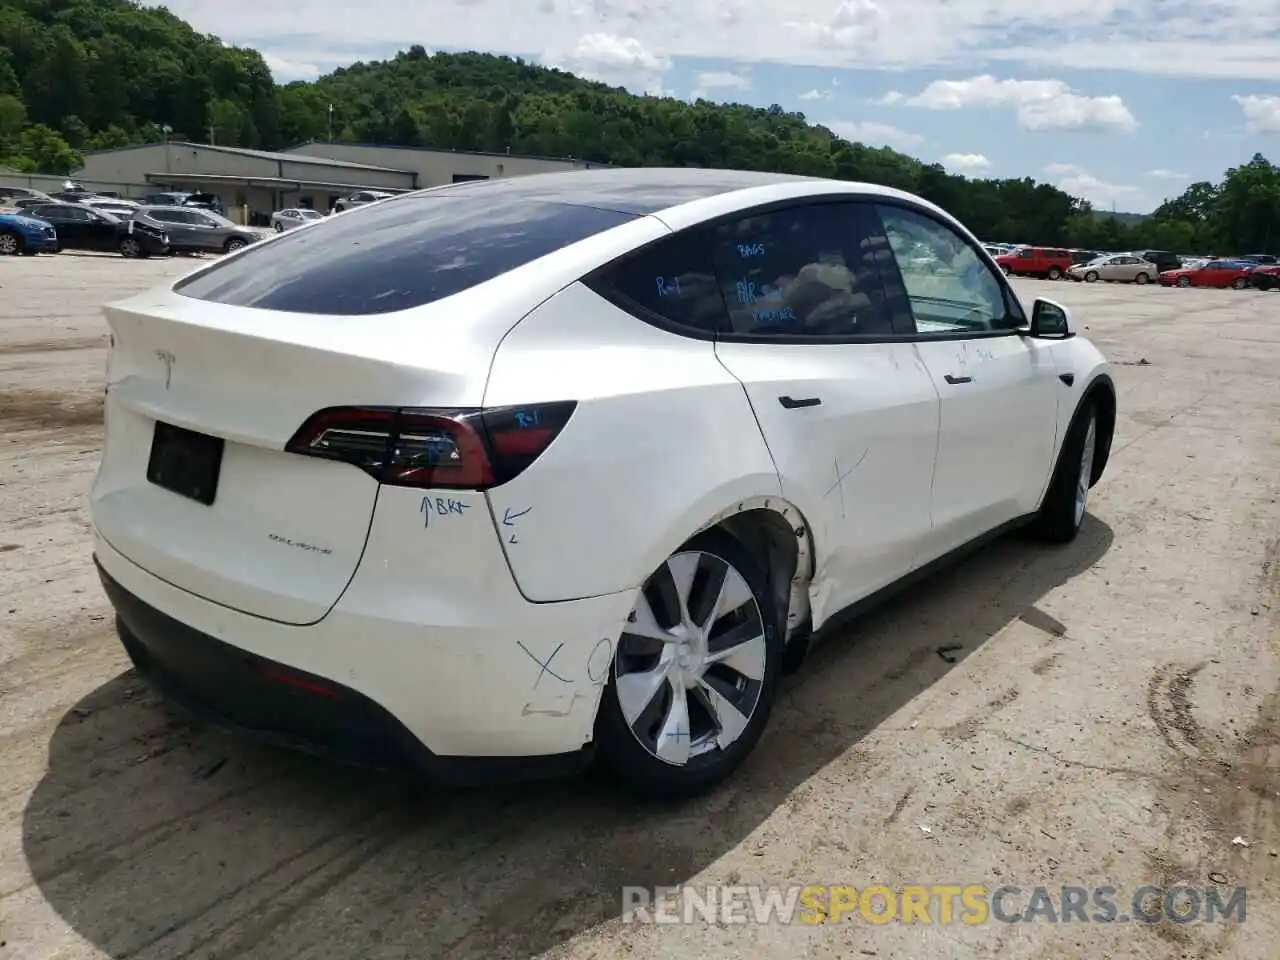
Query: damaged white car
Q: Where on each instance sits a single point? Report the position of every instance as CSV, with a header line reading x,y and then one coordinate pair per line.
x,y
501,477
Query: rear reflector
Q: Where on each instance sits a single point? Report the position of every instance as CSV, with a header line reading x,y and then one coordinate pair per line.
x,y
461,449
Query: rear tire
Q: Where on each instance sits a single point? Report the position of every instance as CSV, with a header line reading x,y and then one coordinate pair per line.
x,y
680,713
1091,276
234,244
279,228
1141,279
1239,283
130,248
1055,273
1066,500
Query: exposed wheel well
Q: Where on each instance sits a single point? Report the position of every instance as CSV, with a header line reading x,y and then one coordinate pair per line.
x,y
783,542
1103,395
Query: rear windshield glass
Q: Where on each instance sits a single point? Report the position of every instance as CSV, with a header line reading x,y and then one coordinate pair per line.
x,y
396,255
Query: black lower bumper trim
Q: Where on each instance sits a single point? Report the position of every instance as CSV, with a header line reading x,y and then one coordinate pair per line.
x,y
242,693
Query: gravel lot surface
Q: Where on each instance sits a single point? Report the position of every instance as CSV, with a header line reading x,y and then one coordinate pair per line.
x,y
1112,717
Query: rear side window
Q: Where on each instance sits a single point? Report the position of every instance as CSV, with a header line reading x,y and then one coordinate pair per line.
x,y
806,271
673,279
405,253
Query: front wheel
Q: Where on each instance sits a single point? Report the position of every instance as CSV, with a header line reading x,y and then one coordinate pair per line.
x,y
234,244
1091,276
10,244
695,673
1184,281
1055,273
279,228
1064,505
1239,283
129,247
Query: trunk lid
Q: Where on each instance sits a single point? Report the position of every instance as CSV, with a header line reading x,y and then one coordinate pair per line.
x,y
284,533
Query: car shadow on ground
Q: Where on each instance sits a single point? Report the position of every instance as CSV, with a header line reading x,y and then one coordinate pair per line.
x,y
153,837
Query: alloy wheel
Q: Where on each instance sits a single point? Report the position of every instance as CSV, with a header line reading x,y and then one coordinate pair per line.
x,y
130,248
691,660
8,245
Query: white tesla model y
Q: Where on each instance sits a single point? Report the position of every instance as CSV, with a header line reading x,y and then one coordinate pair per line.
x,y
494,478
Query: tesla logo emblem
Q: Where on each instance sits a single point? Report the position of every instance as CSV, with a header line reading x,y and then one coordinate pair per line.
x,y
168,359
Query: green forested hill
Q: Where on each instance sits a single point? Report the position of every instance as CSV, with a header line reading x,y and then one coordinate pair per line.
x,y
83,74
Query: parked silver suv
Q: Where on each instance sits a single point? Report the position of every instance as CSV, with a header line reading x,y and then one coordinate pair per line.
x,y
359,199
193,230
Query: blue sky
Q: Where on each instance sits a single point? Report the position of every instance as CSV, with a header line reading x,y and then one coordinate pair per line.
x,y
1122,102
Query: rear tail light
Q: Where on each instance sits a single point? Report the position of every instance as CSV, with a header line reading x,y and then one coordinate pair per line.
x,y
461,449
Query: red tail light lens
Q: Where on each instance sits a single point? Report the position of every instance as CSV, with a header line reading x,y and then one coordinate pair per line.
x,y
461,449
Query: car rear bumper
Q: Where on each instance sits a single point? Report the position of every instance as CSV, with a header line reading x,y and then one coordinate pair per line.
x,y
458,703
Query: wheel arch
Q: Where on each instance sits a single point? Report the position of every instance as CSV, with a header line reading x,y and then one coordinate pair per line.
x,y
777,532
1102,393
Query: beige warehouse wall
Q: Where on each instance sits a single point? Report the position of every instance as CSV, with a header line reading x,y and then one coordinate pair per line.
x,y
176,161
436,167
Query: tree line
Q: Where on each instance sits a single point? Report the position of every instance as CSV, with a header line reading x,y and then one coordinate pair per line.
x,y
80,75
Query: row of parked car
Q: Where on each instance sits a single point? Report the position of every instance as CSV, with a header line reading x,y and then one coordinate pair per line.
x,y
158,225
1259,270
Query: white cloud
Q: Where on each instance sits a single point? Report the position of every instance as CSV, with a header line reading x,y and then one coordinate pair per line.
x,y
1038,104
816,95
853,28
966,162
873,134
1223,38
1213,51
718,80
1261,114
621,61
1163,174
1080,183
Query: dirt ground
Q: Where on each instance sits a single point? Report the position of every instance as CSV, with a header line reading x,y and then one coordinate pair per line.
x,y
1112,717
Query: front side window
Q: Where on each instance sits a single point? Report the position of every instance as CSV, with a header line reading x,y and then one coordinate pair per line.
x,y
805,271
950,286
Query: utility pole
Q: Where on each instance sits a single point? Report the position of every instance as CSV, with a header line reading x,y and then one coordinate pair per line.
x,y
331,123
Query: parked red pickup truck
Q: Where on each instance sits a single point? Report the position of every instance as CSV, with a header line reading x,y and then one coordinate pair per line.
x,y
1048,262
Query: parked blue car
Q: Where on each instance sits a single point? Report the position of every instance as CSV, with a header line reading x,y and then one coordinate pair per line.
x,y
26,235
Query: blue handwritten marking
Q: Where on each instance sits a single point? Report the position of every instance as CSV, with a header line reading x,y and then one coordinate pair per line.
x,y
667,286
773,314
746,291
509,520
441,507
526,419
545,665
748,250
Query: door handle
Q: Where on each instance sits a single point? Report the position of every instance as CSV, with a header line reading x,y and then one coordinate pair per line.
x,y
954,380
791,404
